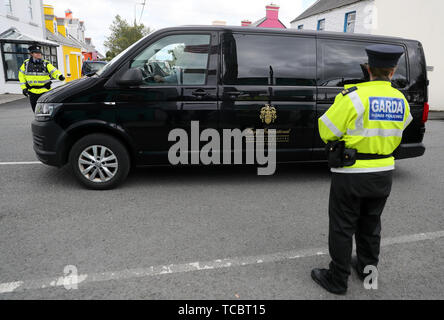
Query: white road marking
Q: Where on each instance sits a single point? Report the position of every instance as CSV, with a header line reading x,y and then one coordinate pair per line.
x,y
17,286
19,163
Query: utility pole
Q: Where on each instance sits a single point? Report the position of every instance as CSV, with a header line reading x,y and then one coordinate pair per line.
x,y
135,11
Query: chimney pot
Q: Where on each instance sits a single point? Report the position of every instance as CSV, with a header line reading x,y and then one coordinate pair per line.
x,y
68,14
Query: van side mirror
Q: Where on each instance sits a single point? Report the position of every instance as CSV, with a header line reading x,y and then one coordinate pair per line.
x,y
131,77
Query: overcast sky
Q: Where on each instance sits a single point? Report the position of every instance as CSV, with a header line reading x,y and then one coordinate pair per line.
x,y
99,14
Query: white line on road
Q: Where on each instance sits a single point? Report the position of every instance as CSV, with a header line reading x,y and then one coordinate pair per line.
x,y
18,163
193,266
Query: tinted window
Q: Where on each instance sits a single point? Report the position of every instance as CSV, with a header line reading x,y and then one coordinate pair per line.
x,y
175,60
342,62
269,60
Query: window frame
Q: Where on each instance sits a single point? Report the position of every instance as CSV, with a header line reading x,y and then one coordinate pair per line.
x,y
8,5
299,36
67,66
348,14
176,33
319,25
320,63
30,10
3,52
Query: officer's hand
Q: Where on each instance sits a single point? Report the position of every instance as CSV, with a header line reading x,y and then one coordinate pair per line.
x,y
62,78
25,92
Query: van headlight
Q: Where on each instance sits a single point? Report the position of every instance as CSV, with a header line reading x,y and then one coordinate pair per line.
x,y
44,110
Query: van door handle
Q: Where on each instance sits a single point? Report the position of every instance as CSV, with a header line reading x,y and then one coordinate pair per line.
x,y
199,93
234,94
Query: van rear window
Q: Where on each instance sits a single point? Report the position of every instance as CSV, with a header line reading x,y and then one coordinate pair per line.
x,y
269,60
342,62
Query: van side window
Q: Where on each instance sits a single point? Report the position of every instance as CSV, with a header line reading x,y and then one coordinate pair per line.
x,y
269,60
175,60
342,62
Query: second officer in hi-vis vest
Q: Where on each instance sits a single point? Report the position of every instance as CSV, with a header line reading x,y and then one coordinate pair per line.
x,y
361,129
35,75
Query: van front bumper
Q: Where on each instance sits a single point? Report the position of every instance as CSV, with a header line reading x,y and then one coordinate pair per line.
x,y
409,150
47,141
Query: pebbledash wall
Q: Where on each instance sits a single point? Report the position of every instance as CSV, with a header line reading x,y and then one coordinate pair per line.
x,y
335,19
410,19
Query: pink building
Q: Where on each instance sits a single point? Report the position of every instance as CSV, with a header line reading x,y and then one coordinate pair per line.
x,y
271,20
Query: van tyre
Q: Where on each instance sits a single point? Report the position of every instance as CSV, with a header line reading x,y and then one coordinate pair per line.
x,y
99,161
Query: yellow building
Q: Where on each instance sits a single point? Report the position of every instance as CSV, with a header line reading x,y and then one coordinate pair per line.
x,y
69,53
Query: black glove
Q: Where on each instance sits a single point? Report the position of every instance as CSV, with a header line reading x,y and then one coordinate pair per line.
x,y
25,92
62,78
48,85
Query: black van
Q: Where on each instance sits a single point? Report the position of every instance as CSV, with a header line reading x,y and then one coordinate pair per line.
x,y
222,77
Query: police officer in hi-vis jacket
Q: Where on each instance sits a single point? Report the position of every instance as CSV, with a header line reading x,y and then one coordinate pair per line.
x,y
35,75
361,129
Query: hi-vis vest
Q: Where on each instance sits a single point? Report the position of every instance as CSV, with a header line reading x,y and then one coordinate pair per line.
x,y
37,75
370,117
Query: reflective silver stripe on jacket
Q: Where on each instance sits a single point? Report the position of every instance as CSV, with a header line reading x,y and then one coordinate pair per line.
x,y
331,126
43,81
409,119
360,110
52,71
359,123
362,170
378,132
36,73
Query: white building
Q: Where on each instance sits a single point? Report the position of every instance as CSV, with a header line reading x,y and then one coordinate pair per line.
x,y
412,19
21,24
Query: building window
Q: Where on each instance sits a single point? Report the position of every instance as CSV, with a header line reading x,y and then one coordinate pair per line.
x,y
8,5
67,67
350,19
55,27
300,27
321,24
30,9
14,54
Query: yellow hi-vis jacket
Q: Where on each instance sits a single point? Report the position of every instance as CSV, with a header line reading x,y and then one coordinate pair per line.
x,y
37,77
369,117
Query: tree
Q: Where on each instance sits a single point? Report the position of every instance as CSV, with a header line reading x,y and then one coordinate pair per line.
x,y
123,35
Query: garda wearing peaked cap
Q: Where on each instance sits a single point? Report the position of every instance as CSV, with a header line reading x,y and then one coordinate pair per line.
x,y
35,49
383,56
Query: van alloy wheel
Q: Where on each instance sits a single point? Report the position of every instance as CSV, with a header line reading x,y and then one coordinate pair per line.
x,y
98,163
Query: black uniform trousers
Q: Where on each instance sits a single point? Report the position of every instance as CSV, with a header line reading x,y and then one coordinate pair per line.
x,y
355,207
33,99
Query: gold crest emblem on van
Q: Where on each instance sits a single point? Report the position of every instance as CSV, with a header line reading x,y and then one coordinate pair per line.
x,y
268,114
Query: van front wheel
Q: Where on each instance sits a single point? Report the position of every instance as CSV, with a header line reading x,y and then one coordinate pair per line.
x,y
99,161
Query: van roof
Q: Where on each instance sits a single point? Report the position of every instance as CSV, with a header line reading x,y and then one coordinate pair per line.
x,y
292,31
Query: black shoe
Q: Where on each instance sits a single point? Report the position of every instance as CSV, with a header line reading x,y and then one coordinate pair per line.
x,y
323,278
354,264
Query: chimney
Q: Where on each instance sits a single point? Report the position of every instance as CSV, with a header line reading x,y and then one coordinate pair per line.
x,y
245,23
68,14
272,11
88,40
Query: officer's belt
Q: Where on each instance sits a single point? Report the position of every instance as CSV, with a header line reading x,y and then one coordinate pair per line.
x,y
371,156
